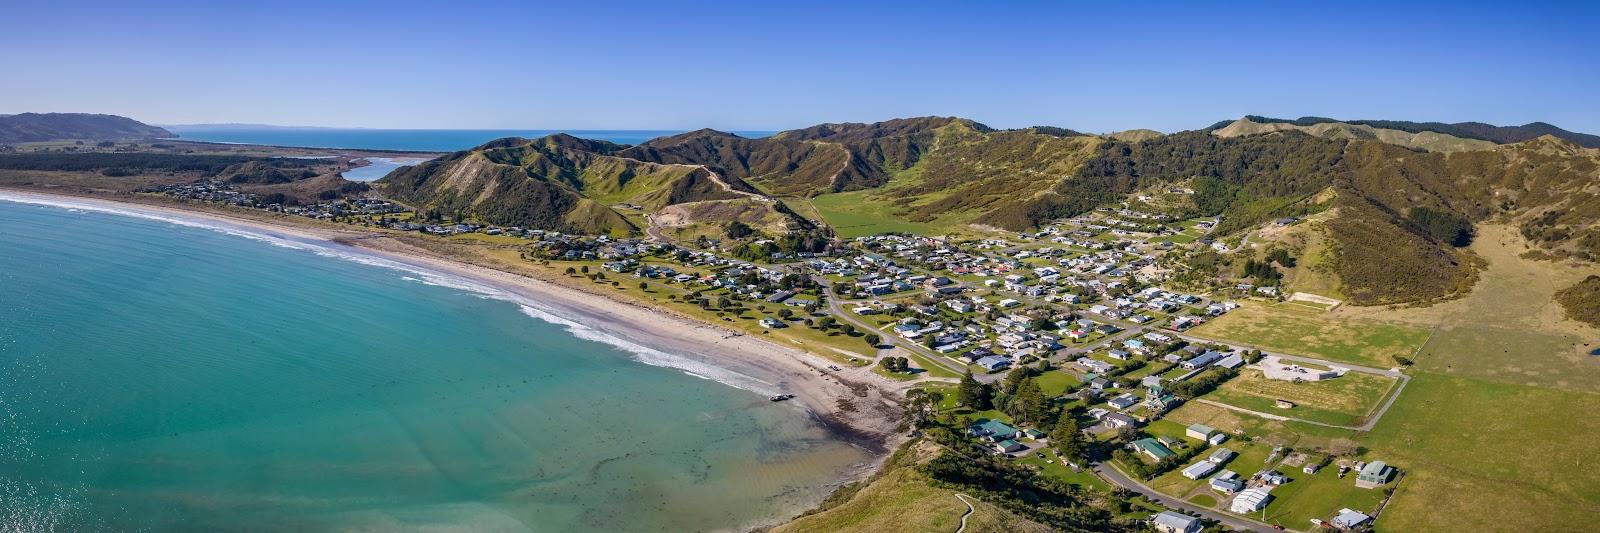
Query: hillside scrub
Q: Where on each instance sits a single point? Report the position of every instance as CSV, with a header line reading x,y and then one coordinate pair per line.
x,y
1582,301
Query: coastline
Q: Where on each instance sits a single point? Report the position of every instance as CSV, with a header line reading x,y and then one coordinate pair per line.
x,y
853,404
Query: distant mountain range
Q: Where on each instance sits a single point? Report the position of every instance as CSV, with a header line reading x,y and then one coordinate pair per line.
x,y
1464,130
35,127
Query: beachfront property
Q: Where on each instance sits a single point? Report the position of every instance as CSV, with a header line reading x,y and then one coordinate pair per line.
x,y
1170,522
993,431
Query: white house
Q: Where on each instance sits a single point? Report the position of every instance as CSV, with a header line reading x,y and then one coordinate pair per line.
x,y
1170,522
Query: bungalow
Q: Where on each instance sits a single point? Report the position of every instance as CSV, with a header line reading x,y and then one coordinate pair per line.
x,y
865,310
1100,384
1009,303
1124,401
1250,500
1008,446
992,430
1134,344
1118,354
1374,474
1094,365
1217,438
1150,448
1350,519
1198,431
1170,522
1199,470
772,323
1273,478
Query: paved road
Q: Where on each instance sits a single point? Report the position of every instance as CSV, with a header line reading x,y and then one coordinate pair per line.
x,y
1117,478
970,509
836,306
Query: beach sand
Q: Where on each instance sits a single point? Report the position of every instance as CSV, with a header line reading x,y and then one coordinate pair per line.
x,y
854,403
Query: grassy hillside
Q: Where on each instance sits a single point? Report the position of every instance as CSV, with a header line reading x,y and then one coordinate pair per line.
x,y
1464,130
564,183
1432,141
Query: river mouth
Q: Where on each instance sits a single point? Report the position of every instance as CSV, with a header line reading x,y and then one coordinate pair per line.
x,y
378,167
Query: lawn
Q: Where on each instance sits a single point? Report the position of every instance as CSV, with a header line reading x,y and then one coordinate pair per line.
x,y
1056,469
1299,330
1319,495
1056,382
1344,400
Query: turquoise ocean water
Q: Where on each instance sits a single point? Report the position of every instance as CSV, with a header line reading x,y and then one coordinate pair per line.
x,y
176,377
387,139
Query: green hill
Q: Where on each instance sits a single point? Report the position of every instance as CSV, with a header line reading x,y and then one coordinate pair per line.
x,y
565,183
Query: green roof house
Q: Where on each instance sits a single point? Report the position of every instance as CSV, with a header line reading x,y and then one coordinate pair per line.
x,y
1151,448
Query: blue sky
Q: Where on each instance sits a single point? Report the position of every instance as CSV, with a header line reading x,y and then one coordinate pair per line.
x,y
1095,67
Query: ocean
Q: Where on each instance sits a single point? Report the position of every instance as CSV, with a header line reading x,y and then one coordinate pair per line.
x,y
422,140
167,375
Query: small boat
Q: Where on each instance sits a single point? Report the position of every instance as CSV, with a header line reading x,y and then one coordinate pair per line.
x,y
779,397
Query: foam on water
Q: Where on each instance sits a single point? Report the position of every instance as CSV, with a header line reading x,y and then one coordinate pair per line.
x,y
529,306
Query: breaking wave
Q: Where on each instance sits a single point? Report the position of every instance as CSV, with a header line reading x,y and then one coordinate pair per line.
x,y
529,306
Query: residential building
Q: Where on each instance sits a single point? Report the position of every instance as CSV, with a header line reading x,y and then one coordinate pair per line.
x,y
1350,519
1151,448
1199,470
1374,474
1170,522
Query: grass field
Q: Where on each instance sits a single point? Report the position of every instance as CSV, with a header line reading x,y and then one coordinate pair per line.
x,y
1344,400
1299,330
1486,456
1055,382
903,501
855,214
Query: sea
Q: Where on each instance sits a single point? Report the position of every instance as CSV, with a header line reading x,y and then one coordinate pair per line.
x,y
420,140
169,374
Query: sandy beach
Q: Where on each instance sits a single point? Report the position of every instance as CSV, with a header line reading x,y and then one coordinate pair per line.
x,y
856,404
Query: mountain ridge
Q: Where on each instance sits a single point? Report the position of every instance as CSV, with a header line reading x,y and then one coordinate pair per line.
x,y
39,127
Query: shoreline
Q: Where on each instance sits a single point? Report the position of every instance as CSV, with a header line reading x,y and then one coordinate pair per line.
x,y
853,405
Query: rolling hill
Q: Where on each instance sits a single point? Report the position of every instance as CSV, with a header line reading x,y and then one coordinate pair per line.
x,y
565,183
1384,191
36,127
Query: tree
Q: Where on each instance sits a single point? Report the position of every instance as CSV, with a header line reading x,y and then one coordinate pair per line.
x,y
644,286
1028,405
1068,440
972,394
873,339
584,269
571,271
738,230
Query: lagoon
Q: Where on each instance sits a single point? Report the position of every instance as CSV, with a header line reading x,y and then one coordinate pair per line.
x,y
170,375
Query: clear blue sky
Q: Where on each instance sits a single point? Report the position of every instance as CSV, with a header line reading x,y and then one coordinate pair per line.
x,y
1097,67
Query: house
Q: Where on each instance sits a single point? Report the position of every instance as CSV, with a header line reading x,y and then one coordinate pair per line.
x,y
1008,446
1009,303
1199,470
1150,448
1118,355
1124,401
1374,474
993,430
1273,478
1217,438
1198,431
1100,384
1222,455
1251,500
772,323
1170,522
993,363
1119,420
1350,519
